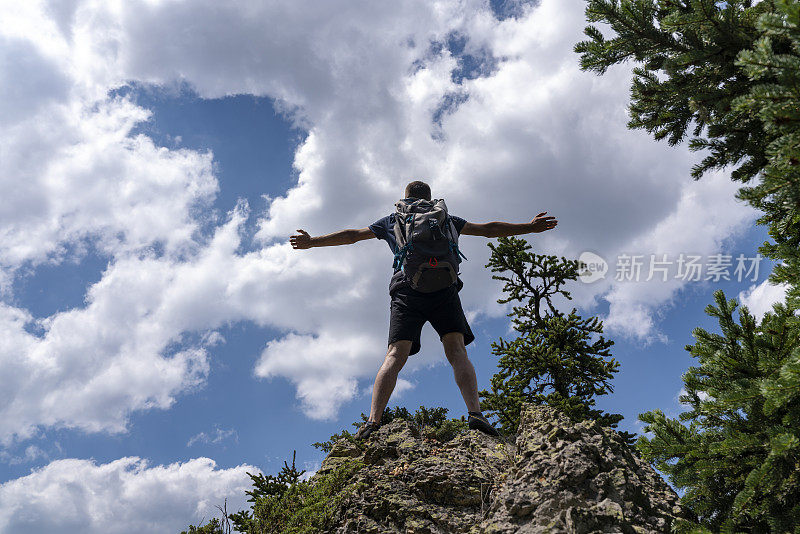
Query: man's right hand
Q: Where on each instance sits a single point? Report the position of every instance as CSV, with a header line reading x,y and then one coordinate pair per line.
x,y
303,240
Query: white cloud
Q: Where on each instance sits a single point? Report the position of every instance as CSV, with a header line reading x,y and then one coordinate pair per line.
x,y
533,134
322,368
692,229
217,436
31,454
122,496
310,469
759,298
93,365
71,175
400,387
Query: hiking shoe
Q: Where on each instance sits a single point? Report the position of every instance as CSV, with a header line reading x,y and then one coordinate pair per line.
x,y
366,429
478,422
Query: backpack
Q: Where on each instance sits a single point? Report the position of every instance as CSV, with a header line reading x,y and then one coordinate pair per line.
x,y
427,244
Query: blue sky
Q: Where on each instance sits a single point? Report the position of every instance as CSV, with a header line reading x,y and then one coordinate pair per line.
x,y
162,336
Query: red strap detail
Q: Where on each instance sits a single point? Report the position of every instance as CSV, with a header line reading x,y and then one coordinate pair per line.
x,y
432,262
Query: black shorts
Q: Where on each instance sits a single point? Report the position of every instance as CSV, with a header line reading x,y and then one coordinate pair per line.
x,y
410,310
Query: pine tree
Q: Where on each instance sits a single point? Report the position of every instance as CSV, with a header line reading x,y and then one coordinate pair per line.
x,y
739,456
268,498
692,45
732,69
558,359
776,102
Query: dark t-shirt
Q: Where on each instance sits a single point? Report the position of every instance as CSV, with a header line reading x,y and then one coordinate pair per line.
x,y
384,229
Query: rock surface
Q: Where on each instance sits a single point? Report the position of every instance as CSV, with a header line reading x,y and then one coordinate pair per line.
x,y
555,476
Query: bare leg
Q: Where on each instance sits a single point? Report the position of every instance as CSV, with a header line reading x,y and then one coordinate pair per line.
x,y
396,357
463,370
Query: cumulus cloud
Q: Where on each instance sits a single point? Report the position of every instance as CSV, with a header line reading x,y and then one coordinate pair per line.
x,y
126,495
386,96
759,298
116,348
691,230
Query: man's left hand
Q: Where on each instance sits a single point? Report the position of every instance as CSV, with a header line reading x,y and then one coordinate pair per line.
x,y
541,223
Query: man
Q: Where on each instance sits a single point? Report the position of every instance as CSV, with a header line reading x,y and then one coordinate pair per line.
x,y
410,309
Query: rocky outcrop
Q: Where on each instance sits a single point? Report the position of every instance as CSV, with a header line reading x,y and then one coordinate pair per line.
x,y
555,476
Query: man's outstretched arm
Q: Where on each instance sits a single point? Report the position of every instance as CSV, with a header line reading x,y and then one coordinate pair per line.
x,y
343,237
540,223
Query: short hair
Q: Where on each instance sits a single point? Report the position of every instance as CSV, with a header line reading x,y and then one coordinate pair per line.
x,y
417,189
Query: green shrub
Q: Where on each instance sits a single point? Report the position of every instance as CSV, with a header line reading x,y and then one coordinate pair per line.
x,y
212,527
286,504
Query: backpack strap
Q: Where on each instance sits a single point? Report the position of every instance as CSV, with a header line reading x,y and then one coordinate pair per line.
x,y
453,243
456,250
400,255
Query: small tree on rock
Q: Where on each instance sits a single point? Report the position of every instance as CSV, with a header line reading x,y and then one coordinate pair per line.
x,y
558,359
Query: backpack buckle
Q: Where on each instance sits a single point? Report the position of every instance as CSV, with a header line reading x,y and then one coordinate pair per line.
x,y
433,225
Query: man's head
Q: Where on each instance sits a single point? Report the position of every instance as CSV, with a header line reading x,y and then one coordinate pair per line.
x,y
417,189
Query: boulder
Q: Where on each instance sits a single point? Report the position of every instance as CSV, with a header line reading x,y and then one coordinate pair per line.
x,y
554,476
